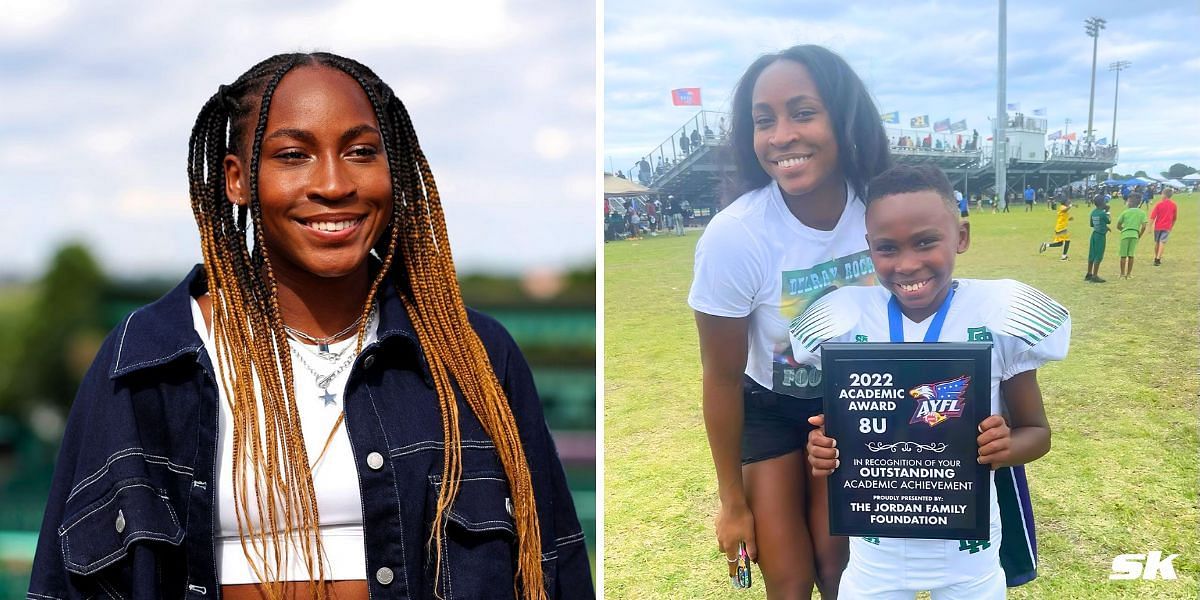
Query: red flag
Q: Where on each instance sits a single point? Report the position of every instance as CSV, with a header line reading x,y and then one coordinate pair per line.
x,y
686,97
1070,136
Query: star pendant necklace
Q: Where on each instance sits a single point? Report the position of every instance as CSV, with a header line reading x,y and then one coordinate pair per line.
x,y
323,381
323,351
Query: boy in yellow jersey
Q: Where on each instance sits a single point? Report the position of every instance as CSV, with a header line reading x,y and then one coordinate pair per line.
x,y
1062,237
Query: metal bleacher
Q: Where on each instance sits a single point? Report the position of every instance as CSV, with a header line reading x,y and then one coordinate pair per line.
x,y
696,175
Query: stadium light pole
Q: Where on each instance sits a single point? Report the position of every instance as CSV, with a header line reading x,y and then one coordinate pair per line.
x,y
1118,66
999,147
1092,26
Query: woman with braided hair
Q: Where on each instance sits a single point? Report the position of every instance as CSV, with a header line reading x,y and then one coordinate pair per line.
x,y
312,412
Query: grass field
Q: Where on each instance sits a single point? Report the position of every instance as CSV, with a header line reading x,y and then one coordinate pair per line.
x,y
1121,477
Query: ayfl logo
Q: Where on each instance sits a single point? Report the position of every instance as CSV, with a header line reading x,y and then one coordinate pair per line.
x,y
939,401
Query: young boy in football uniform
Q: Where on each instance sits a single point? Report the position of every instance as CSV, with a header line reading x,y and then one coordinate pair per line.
x,y
914,233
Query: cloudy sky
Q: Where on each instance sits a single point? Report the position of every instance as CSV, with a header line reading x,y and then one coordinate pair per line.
x,y
99,99
935,58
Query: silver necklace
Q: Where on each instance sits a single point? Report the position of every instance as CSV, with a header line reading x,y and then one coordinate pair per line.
x,y
328,355
322,343
323,381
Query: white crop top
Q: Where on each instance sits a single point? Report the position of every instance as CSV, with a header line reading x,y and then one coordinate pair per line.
x,y
335,477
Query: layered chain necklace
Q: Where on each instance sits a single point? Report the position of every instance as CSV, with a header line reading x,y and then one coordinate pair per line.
x,y
322,343
339,360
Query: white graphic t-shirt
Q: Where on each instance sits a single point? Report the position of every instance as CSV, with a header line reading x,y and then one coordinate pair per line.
x,y
756,259
1027,329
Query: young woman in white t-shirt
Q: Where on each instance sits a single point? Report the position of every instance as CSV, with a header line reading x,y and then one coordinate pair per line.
x,y
806,137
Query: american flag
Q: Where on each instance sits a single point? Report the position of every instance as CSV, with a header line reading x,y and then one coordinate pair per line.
x,y
951,390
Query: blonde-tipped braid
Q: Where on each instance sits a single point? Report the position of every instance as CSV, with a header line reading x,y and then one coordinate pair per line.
x,y
250,340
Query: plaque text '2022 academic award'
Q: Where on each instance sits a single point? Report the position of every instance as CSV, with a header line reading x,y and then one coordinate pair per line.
x,y
904,416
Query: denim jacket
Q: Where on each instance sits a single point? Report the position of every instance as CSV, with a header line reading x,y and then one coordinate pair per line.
x,y
131,508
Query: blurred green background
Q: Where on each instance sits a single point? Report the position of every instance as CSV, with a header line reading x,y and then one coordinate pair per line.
x,y
51,328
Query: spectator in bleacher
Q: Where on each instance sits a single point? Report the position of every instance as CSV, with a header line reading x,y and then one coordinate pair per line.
x,y
685,143
708,133
643,171
695,139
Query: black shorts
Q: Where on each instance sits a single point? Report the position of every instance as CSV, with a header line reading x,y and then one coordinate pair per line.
x,y
775,424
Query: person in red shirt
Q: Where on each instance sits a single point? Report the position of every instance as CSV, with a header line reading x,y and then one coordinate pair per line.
x,y
1163,216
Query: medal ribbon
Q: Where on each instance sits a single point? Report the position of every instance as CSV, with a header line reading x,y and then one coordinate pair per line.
x,y
896,319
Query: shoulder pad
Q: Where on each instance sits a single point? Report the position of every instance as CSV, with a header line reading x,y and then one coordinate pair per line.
x,y
828,317
1030,315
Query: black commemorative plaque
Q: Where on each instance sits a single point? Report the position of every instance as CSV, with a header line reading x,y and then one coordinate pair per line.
x,y
905,417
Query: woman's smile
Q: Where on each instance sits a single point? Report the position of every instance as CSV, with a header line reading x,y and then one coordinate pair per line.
x,y
332,227
791,162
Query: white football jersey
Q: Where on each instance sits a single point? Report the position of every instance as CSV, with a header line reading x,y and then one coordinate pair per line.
x,y
1027,329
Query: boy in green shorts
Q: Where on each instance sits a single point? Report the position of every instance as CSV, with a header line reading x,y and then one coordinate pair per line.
x,y
1132,224
1099,221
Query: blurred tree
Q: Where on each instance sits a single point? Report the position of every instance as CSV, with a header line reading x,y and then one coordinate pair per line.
x,y
1178,170
60,333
